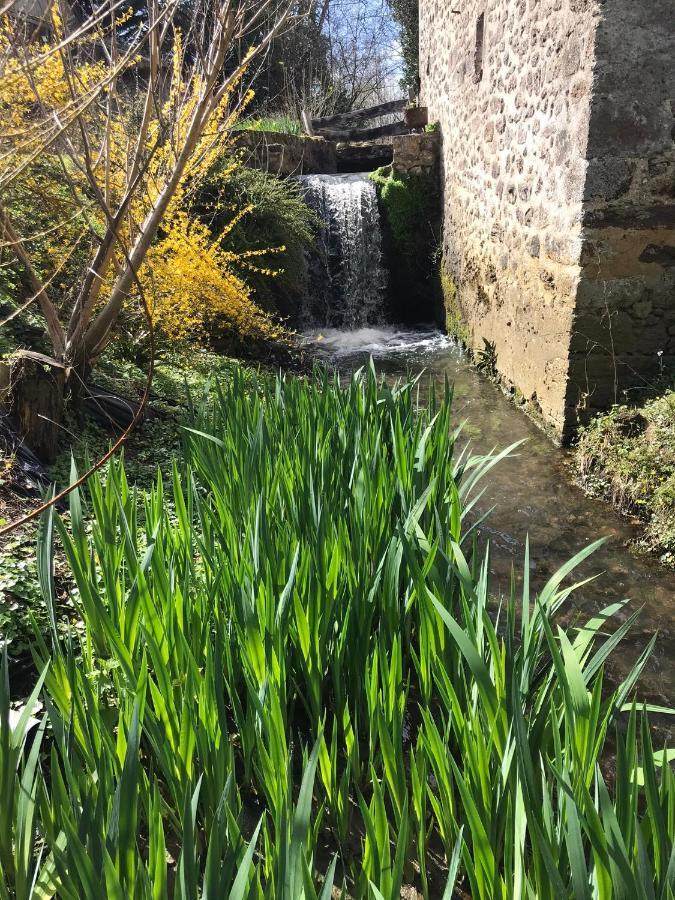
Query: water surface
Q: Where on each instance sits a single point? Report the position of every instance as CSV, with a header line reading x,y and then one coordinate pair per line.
x,y
533,494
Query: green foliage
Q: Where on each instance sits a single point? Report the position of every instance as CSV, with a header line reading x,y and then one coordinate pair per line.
x,y
19,591
454,321
406,200
281,124
486,359
35,203
310,610
153,447
410,208
278,217
406,13
628,456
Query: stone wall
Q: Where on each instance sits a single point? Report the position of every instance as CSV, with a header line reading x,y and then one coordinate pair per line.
x,y
416,153
623,332
287,154
532,177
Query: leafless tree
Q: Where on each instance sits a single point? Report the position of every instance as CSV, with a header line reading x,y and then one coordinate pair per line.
x,y
343,55
364,51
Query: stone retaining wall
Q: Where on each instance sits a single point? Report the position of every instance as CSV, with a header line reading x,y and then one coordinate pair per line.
x,y
287,154
558,189
418,153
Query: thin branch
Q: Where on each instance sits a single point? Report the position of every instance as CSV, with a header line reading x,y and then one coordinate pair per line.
x,y
49,312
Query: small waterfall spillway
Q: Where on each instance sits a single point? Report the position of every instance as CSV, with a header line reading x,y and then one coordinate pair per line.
x,y
346,279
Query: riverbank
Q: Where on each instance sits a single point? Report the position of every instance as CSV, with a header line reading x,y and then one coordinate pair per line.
x,y
627,457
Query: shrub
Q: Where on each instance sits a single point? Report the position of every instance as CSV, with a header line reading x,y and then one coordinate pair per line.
x,y
277,216
628,456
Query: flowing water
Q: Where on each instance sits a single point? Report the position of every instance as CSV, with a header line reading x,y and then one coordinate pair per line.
x,y
532,494
346,280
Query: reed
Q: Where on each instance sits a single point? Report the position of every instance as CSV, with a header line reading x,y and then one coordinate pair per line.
x,y
291,663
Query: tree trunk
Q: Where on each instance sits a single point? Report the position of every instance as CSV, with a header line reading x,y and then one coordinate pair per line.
x,y
36,400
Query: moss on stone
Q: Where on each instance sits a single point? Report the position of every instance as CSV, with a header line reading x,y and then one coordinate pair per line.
x,y
405,200
410,210
454,323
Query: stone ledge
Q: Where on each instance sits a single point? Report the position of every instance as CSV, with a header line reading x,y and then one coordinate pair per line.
x,y
287,154
631,215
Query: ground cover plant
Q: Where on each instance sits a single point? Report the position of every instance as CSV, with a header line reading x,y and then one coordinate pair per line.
x,y
282,124
628,457
292,676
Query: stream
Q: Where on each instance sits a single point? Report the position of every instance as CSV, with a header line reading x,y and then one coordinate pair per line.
x,y
532,493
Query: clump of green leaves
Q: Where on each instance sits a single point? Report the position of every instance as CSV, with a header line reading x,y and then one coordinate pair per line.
x,y
628,456
296,666
277,217
486,359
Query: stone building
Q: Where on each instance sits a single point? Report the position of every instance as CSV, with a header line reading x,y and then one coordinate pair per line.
x,y
557,123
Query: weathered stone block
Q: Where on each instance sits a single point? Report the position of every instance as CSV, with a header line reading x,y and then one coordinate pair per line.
x,y
416,151
608,177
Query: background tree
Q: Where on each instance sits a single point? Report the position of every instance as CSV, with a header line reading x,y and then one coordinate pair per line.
x,y
340,55
364,52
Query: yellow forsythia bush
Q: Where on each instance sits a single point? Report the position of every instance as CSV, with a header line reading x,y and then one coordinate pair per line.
x,y
190,282
193,283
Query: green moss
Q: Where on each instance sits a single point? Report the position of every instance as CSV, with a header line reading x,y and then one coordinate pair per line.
x,y
454,323
628,457
406,200
410,209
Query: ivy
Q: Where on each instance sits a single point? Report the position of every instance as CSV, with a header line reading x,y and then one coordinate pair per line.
x,y
406,14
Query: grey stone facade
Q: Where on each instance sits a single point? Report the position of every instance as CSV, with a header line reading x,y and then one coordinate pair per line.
x,y
559,190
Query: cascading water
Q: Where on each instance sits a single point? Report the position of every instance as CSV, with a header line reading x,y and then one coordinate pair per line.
x,y
346,280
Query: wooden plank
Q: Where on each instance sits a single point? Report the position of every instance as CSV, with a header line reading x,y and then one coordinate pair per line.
x,y
307,123
359,115
364,134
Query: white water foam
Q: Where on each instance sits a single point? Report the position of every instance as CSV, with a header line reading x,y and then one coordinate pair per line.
x,y
384,341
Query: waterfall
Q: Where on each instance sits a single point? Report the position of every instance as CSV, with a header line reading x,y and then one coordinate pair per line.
x,y
346,280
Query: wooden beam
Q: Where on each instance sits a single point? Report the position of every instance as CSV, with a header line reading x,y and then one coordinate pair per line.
x,y
364,134
307,123
359,115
